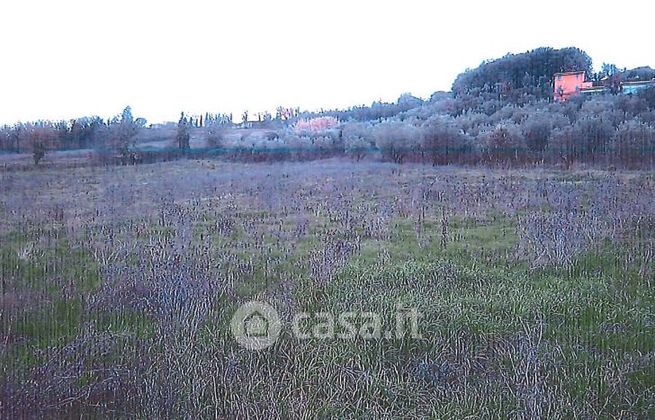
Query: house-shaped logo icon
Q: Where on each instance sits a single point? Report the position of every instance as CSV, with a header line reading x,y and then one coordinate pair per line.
x,y
255,325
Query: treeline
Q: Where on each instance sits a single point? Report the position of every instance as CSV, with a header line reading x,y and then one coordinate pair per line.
x,y
96,133
603,130
115,135
499,113
378,110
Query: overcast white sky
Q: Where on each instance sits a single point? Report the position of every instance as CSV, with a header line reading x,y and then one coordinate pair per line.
x,y
68,58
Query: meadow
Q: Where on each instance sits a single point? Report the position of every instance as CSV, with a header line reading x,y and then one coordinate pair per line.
x,y
535,289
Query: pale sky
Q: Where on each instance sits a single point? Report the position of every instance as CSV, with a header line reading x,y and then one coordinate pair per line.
x,y
69,58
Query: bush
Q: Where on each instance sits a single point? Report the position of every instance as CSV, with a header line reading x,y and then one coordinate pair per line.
x,y
648,95
503,143
215,136
299,148
472,123
604,108
562,147
357,147
633,143
592,135
443,141
38,151
537,129
358,139
397,140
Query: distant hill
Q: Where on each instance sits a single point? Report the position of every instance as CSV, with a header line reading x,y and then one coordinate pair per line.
x,y
519,74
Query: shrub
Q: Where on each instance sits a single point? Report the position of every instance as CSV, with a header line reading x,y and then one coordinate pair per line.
x,y
215,136
537,129
357,147
562,147
605,108
593,135
358,139
503,143
472,123
648,95
299,148
633,143
396,140
443,141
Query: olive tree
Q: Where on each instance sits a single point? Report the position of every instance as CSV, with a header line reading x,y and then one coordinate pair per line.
x,y
397,140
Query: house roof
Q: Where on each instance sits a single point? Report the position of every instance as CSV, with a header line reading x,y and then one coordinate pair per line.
x,y
566,73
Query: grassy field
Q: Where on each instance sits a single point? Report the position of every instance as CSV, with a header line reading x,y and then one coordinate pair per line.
x,y
535,290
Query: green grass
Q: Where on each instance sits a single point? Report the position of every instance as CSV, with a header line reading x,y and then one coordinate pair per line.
x,y
498,339
460,295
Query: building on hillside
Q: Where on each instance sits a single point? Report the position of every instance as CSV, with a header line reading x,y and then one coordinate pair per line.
x,y
629,88
569,84
566,85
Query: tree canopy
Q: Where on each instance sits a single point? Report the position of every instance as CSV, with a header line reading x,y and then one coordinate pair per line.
x,y
517,74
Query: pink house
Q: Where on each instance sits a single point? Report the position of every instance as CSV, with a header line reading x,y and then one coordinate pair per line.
x,y
569,84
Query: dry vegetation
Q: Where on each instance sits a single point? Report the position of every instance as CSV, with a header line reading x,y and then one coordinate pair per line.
x,y
118,284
